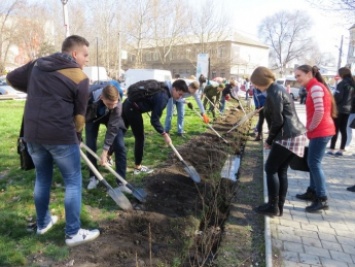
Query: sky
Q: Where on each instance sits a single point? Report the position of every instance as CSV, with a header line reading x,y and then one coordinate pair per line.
x,y
327,28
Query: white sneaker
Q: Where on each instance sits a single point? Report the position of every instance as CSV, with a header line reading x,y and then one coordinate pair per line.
x,y
81,237
93,183
143,169
53,221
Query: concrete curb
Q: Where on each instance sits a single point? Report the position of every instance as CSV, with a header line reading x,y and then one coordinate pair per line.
x,y
267,234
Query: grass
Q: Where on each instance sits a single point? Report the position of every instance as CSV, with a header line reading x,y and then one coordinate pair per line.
x,y
18,247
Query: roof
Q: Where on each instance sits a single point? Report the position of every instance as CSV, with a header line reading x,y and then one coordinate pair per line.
x,y
352,27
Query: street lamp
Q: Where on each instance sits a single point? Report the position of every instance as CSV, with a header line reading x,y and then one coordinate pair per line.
x,y
66,17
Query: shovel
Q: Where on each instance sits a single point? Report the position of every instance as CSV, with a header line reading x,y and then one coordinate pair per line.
x,y
139,194
209,125
219,112
189,169
120,199
245,118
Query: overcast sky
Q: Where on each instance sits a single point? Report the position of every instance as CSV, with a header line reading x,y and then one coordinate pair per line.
x,y
328,27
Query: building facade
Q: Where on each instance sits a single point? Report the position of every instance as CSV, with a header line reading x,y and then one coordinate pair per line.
x,y
235,56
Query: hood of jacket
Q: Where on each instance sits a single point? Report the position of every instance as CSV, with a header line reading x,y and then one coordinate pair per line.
x,y
55,62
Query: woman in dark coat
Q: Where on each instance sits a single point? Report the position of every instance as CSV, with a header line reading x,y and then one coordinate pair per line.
x,y
286,138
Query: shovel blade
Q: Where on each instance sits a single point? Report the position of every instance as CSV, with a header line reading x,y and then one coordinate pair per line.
x,y
193,173
120,199
140,195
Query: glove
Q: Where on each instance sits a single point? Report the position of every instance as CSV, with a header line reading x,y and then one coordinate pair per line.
x,y
190,106
205,118
227,97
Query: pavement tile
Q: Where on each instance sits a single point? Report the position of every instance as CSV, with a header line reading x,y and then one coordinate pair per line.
x,y
305,233
327,237
296,264
326,230
277,244
346,240
320,252
315,242
332,246
293,246
290,256
309,259
341,256
310,227
332,263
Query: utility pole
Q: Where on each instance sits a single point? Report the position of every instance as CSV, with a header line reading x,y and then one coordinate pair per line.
x,y
66,17
340,51
119,50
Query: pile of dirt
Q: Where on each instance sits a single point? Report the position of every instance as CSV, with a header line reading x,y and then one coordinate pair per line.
x,y
181,222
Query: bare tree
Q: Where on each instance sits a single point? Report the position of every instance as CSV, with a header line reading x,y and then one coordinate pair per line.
x,y
7,7
170,20
288,35
139,28
210,26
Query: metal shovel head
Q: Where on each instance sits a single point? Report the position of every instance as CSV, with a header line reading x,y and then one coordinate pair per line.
x,y
139,194
120,199
192,173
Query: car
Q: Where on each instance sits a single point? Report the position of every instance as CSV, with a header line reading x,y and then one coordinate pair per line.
x,y
8,92
294,86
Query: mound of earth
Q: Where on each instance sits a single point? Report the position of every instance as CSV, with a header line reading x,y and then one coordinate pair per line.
x,y
181,222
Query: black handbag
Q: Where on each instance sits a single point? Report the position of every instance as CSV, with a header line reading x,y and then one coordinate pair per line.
x,y
352,124
300,164
26,161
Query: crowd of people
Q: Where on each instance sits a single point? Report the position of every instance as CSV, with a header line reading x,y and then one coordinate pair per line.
x,y
61,104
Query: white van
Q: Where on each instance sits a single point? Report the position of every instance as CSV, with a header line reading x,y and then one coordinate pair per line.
x,y
96,73
295,86
135,75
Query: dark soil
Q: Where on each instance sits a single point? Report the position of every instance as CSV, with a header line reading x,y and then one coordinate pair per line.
x,y
181,224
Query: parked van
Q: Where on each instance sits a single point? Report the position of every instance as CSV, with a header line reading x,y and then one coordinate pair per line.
x,y
96,74
135,75
295,86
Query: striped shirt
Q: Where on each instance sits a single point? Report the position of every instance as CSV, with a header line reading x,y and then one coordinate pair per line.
x,y
294,144
317,95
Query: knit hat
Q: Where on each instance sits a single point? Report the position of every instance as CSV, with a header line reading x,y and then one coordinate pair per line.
x,y
262,76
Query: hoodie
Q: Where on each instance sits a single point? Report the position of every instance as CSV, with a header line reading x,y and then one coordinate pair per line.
x,y
57,96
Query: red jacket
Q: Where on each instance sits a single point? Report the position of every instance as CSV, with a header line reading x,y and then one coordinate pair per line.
x,y
326,126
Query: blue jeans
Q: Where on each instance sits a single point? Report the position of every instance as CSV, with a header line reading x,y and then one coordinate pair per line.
x,y
316,152
349,130
118,147
180,106
222,104
67,158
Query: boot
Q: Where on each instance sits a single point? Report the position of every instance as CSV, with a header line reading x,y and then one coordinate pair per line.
x,y
258,137
320,203
309,195
281,205
271,208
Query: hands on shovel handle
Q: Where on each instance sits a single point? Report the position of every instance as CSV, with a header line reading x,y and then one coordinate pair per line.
x,y
166,137
204,116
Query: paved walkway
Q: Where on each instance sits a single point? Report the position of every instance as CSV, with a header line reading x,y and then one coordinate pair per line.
x,y
321,239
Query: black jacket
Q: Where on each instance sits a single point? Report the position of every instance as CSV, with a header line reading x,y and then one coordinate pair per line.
x,y
97,112
343,95
281,115
57,96
156,104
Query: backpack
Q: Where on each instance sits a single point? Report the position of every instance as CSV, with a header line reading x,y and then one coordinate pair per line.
x,y
142,90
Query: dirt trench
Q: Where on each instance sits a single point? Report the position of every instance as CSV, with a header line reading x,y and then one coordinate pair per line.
x,y
181,223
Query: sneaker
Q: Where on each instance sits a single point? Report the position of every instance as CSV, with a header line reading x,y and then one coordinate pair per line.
x,y
351,188
81,237
143,169
339,153
331,153
93,183
53,221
